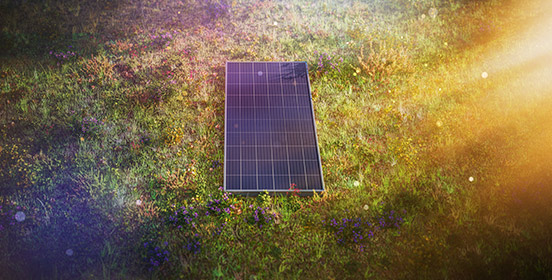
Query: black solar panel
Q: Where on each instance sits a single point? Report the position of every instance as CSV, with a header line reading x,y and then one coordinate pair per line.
x,y
270,134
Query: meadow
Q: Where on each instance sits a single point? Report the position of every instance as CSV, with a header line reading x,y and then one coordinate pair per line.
x,y
433,120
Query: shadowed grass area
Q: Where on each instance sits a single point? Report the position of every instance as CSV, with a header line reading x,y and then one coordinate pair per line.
x,y
433,123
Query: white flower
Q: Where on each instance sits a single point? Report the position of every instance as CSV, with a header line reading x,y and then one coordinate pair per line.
x,y
471,179
275,23
366,207
138,202
69,252
20,216
356,183
484,75
432,12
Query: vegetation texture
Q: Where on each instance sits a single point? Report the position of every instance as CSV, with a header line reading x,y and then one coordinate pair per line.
x,y
433,120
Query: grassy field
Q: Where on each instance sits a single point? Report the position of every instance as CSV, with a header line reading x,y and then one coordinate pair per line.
x,y
433,119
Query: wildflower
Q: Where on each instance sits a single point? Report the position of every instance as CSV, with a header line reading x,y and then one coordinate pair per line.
x,y
69,252
138,202
471,179
484,75
439,123
432,12
356,183
366,207
20,216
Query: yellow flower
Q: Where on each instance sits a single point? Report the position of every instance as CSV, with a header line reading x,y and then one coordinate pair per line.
x,y
82,138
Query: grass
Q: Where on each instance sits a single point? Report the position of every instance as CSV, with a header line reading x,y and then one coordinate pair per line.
x,y
433,123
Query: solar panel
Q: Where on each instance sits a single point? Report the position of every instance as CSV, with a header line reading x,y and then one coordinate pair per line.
x,y
270,133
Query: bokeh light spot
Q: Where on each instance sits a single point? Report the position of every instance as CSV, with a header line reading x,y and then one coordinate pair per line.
x,y
20,216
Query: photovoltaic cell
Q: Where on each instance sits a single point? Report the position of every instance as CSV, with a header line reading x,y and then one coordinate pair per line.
x,y
270,134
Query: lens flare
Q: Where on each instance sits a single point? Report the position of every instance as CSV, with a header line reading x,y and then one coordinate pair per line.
x,y
20,216
69,252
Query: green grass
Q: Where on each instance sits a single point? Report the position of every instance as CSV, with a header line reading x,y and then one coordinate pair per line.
x,y
431,170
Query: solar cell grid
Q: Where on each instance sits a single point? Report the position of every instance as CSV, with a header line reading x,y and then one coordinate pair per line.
x,y
270,137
